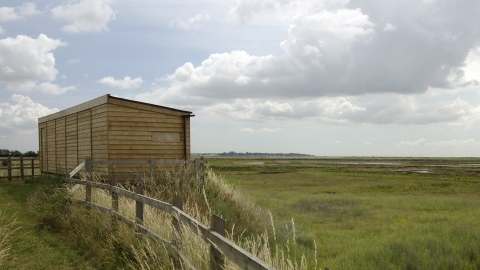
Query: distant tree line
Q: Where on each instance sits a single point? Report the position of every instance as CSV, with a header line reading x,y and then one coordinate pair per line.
x,y
16,153
257,154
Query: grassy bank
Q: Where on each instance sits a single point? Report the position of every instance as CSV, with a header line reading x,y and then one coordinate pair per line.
x,y
28,245
371,213
88,239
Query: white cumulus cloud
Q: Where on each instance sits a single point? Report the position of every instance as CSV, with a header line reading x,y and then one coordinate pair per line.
x,y
15,13
192,23
85,15
52,89
246,9
125,83
26,59
343,62
21,114
389,27
8,14
28,64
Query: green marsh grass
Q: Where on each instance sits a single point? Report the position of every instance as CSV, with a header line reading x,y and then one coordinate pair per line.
x,y
371,216
32,246
7,228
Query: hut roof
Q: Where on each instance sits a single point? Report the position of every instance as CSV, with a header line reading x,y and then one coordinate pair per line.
x,y
114,100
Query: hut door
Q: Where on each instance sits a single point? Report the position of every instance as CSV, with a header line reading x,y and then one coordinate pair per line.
x,y
43,150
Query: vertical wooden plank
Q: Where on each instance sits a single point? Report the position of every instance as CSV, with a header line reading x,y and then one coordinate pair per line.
x,y
91,135
55,142
202,169
185,157
22,172
33,167
114,194
9,168
43,149
76,151
152,168
178,203
88,168
217,261
139,207
65,142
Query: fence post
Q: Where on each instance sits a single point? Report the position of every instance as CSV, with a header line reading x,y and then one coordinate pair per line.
x,y
196,168
139,207
202,169
88,188
217,261
33,168
22,173
152,168
9,168
178,203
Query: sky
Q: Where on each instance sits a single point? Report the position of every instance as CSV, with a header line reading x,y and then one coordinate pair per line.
x,y
319,77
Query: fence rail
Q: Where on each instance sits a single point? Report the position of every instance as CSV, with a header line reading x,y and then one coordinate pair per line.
x,y
214,235
23,165
199,166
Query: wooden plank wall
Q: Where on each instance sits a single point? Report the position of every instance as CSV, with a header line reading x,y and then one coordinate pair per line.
x,y
130,136
114,132
71,137
99,137
42,146
60,166
84,139
51,157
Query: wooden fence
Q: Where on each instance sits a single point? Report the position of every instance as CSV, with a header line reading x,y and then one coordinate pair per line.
x,y
24,164
214,235
198,163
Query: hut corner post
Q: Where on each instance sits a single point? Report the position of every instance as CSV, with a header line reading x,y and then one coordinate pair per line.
x,y
185,157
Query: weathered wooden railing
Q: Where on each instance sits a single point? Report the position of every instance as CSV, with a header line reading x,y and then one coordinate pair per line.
x,y
24,163
214,235
198,163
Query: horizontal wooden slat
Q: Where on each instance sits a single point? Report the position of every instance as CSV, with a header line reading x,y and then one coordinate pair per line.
x,y
140,147
131,138
142,115
127,118
142,125
140,133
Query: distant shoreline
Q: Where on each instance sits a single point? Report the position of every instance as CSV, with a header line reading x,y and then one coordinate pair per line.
x,y
254,154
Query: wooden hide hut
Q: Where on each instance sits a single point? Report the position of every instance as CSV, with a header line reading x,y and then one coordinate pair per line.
x,y
112,128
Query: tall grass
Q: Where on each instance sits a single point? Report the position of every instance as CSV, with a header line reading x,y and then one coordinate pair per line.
x,y
7,228
113,244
